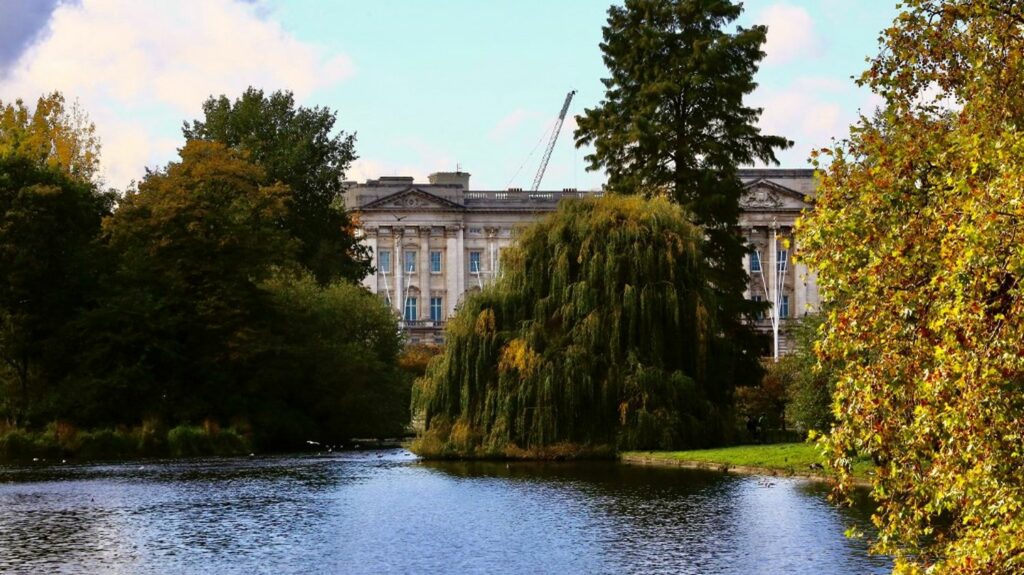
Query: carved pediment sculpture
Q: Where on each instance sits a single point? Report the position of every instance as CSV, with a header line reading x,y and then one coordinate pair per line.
x,y
412,199
768,195
761,197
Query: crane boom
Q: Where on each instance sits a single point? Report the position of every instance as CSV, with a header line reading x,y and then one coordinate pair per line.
x,y
551,144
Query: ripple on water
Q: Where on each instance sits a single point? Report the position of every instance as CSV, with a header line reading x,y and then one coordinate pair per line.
x,y
374,512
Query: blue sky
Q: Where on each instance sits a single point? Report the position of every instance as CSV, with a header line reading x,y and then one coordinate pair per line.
x,y
425,85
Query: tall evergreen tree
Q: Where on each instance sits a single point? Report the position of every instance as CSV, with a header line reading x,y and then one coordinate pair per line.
x,y
673,122
295,146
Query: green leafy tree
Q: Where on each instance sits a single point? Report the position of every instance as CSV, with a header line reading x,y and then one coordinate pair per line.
x,y
52,135
916,236
812,382
48,224
295,146
184,311
599,335
673,122
330,369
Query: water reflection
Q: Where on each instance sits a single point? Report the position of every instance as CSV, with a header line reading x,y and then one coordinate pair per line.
x,y
387,512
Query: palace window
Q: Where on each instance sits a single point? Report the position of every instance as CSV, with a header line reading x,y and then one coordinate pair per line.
x,y
435,262
784,308
410,261
410,309
755,262
760,314
782,258
384,261
436,313
474,262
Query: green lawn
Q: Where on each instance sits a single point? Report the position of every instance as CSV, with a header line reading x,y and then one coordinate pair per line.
x,y
788,457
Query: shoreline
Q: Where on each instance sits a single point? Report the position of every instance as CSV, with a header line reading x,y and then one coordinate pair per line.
x,y
650,459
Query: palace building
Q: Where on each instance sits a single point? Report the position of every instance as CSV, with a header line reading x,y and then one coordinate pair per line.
x,y
433,242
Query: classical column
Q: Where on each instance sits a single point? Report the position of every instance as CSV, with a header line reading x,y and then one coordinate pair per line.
x,y
799,284
398,264
423,307
370,240
452,271
746,265
492,235
773,285
462,262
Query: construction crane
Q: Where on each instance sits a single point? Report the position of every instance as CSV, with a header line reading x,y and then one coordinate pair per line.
x,y
551,144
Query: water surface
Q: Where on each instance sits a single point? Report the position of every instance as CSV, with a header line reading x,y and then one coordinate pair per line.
x,y
386,512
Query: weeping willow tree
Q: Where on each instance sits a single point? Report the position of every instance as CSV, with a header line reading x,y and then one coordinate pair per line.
x,y
598,336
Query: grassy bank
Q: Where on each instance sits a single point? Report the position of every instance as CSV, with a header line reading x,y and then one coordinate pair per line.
x,y
62,441
801,459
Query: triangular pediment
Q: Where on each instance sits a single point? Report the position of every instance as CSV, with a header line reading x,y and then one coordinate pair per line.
x,y
764,194
412,199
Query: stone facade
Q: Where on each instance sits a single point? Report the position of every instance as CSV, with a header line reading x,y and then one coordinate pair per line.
x,y
433,242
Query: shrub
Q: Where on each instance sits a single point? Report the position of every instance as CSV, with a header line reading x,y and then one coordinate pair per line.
x,y
106,444
187,441
16,444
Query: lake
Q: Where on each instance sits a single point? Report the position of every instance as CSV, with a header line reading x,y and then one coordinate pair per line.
x,y
387,512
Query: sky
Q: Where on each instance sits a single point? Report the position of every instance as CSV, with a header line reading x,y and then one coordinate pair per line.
x,y
426,86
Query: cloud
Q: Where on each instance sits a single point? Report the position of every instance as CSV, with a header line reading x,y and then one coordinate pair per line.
x,y
509,123
364,169
810,111
791,34
419,158
20,24
141,68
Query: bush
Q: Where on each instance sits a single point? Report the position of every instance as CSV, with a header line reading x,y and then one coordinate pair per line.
x,y
106,444
193,441
151,438
187,441
17,444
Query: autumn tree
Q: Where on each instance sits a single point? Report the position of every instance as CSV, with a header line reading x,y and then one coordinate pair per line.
x,y
53,134
48,224
673,122
916,235
298,147
184,311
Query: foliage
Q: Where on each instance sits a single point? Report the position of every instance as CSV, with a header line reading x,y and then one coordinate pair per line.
x,y
916,231
416,356
673,122
600,333
183,315
797,389
812,382
332,371
47,224
61,440
52,136
186,304
192,440
770,397
295,146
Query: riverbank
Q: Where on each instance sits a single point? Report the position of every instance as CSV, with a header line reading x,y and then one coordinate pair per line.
x,y
62,441
785,459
